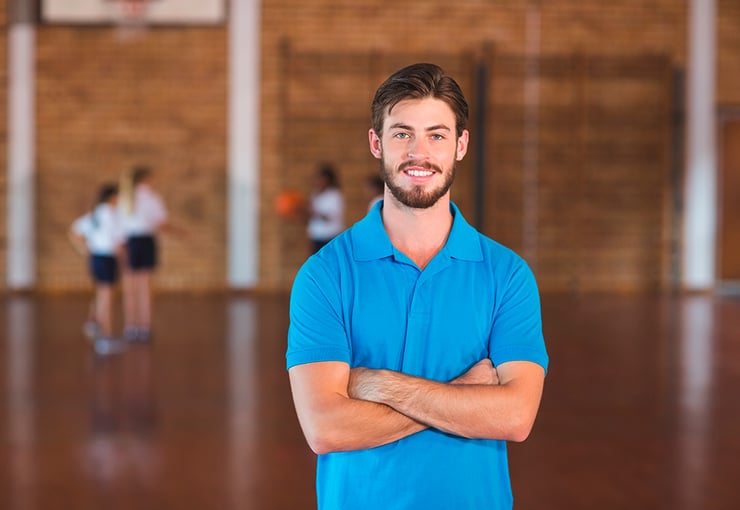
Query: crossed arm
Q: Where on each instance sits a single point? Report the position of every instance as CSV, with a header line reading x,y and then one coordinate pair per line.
x,y
341,409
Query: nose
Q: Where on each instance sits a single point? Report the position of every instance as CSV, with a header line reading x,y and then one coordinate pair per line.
x,y
418,149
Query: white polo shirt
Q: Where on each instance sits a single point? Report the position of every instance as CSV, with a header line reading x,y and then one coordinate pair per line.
x,y
102,230
148,213
328,203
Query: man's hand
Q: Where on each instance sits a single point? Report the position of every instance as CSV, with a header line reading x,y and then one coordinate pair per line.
x,y
367,384
484,402
361,385
482,372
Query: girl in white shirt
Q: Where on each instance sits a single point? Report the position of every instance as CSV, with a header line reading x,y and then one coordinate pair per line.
x,y
144,214
98,235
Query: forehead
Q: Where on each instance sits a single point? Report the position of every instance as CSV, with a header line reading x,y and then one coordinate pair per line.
x,y
420,114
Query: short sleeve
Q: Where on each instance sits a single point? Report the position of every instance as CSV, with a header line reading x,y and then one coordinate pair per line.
x,y
82,225
156,210
517,324
317,330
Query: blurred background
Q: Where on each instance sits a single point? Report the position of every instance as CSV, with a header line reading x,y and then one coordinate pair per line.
x,y
605,150
603,134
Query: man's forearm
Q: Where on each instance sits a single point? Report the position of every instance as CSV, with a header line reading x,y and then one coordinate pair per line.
x,y
469,410
359,424
332,421
436,404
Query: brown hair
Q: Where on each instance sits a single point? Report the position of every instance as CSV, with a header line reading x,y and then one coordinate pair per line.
x,y
418,81
107,191
140,173
329,173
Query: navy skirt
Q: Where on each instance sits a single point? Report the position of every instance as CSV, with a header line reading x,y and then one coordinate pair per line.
x,y
142,252
104,268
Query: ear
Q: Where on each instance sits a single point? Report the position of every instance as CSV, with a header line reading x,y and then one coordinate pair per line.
x,y
375,145
462,144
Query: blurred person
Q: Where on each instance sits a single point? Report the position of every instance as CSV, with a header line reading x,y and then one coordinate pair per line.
x,y
415,346
144,215
374,188
98,236
325,208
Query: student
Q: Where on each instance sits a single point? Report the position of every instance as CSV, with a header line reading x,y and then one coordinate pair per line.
x,y
415,347
98,236
326,208
374,188
144,215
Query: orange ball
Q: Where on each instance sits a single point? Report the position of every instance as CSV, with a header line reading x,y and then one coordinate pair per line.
x,y
289,203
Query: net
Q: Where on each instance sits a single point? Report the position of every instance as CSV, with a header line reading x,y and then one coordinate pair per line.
x,y
130,16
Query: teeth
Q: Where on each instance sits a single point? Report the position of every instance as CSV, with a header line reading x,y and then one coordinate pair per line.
x,y
419,173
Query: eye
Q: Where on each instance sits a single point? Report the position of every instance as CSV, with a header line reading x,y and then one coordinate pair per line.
x,y
401,135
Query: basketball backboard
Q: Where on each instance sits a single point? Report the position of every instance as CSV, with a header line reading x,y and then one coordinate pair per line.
x,y
148,12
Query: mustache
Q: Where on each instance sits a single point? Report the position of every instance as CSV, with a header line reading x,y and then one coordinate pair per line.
x,y
423,164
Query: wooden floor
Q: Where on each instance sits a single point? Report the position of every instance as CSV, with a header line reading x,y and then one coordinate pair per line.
x,y
641,409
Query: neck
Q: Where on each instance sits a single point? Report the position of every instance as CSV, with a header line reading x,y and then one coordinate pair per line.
x,y
419,233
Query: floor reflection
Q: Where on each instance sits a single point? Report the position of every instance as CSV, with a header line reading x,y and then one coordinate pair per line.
x,y
242,359
122,443
640,408
695,399
20,335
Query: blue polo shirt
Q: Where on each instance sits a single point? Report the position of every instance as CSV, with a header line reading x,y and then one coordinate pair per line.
x,y
361,301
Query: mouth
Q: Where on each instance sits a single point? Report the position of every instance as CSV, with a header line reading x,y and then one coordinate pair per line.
x,y
419,170
418,173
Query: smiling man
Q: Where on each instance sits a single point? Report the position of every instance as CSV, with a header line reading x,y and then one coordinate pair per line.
x,y
415,346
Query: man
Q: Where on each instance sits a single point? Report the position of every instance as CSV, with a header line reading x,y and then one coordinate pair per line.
x,y
397,324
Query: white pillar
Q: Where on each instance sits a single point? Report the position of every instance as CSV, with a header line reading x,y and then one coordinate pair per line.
x,y
244,155
21,260
700,214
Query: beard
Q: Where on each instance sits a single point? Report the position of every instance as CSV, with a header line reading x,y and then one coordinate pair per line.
x,y
417,197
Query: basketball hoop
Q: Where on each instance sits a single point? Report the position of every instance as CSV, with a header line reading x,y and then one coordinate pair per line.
x,y
129,15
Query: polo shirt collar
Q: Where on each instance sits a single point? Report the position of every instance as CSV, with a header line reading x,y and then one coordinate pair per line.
x,y
370,241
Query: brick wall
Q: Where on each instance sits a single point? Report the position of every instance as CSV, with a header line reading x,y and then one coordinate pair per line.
x,y
728,53
415,31
105,102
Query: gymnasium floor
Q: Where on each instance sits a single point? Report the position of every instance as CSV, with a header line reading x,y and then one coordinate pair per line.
x,y
641,408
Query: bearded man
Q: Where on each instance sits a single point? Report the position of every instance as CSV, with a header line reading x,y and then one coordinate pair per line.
x,y
415,347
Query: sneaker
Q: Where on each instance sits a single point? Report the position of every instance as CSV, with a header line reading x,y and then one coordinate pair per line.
x,y
144,335
91,329
105,346
137,334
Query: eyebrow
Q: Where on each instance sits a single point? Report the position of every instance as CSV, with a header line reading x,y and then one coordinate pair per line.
x,y
400,125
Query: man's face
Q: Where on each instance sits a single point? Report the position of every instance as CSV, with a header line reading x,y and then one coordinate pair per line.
x,y
418,151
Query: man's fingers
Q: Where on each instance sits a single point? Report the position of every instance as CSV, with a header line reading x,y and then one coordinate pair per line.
x,y
482,372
